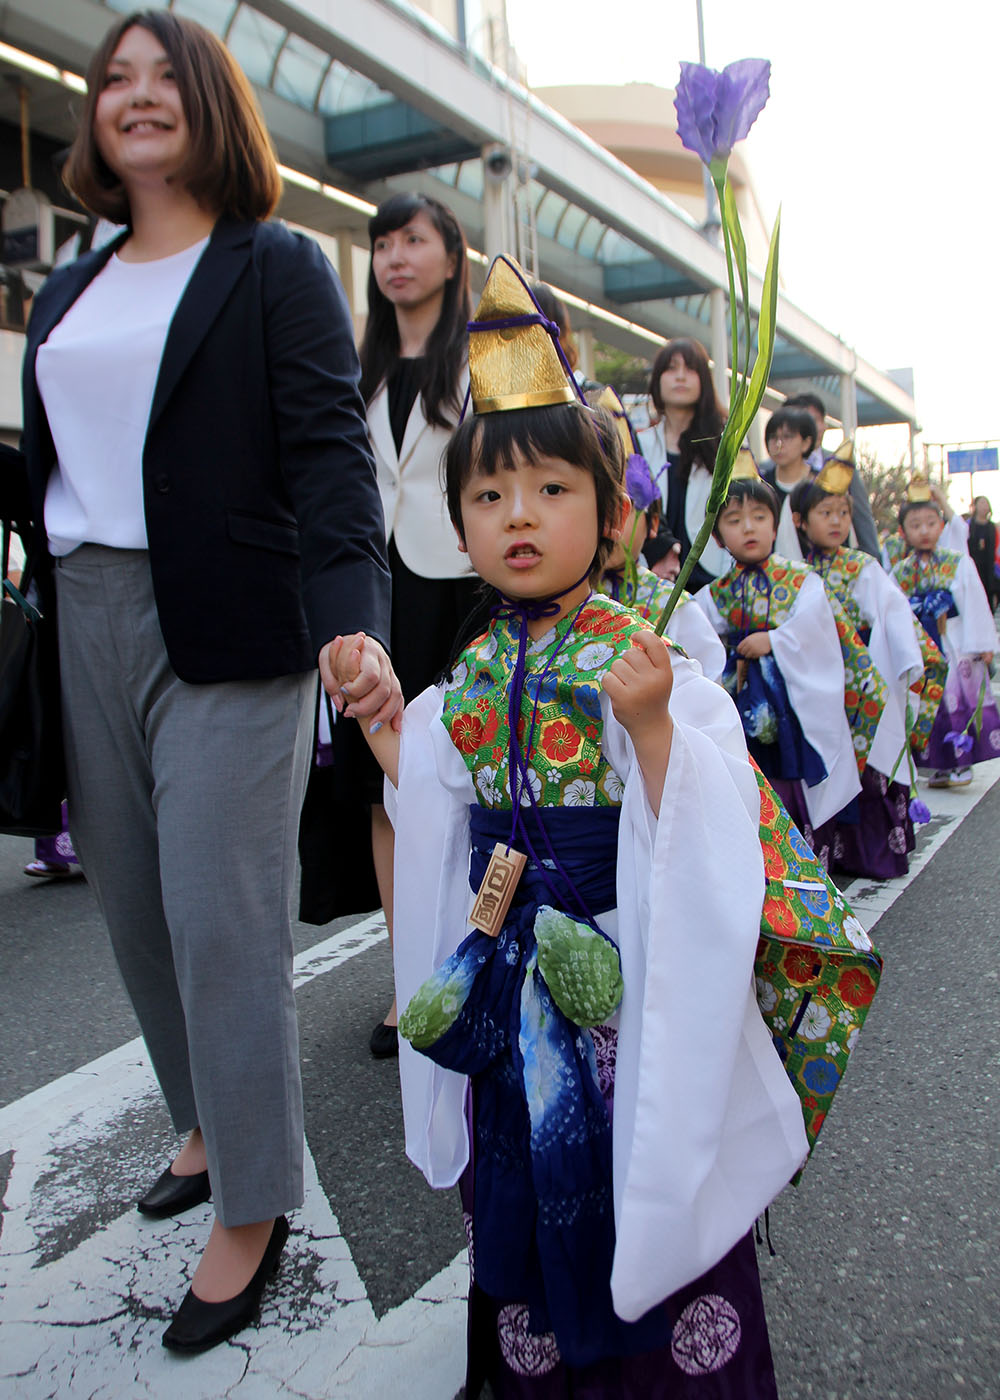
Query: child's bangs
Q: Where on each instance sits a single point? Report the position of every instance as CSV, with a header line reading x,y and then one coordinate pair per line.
x,y
501,440
744,489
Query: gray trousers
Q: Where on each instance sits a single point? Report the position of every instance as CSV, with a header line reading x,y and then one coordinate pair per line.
x,y
184,804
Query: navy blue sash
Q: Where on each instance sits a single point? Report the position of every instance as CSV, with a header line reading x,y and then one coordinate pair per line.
x,y
773,733
928,607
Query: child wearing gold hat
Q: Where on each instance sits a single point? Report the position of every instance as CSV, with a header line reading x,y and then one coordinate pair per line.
x,y
947,596
601,783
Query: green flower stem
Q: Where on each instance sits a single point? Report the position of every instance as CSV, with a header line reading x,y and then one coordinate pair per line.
x,y
699,543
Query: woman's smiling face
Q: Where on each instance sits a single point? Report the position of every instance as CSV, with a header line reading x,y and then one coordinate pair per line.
x,y
140,127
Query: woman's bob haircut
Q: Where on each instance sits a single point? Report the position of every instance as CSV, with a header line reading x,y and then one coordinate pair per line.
x,y
230,169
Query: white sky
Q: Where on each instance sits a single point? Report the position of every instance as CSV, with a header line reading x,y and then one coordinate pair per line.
x,y
879,141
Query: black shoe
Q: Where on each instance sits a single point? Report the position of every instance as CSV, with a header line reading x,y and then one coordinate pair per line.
x,y
198,1325
384,1042
171,1194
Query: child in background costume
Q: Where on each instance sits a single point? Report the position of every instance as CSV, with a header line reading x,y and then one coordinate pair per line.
x,y
947,596
954,535
611,1254
877,843
627,579
784,665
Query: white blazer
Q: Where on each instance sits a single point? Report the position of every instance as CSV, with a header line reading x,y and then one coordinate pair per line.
x,y
411,484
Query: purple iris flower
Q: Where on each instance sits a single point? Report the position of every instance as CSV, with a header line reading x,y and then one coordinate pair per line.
x,y
639,484
919,812
715,110
961,743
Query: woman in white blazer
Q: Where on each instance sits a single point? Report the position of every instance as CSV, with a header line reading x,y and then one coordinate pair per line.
x,y
414,380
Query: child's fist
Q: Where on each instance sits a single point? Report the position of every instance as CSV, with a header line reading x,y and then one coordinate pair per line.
x,y
755,646
638,685
339,664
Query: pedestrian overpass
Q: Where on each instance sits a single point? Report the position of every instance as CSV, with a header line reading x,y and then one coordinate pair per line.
x,y
364,97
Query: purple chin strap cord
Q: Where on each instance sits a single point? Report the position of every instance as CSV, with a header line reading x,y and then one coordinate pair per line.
x,y
530,610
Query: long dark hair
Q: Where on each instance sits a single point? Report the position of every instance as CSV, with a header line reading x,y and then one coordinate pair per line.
x,y
700,442
445,351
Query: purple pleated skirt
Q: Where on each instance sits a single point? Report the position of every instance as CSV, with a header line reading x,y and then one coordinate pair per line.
x,y
57,849
877,844
962,690
719,1347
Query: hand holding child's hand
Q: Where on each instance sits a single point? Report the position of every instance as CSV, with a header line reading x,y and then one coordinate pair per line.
x,y
755,646
358,675
638,686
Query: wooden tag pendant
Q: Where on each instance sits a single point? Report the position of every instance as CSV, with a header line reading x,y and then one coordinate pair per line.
x,y
497,889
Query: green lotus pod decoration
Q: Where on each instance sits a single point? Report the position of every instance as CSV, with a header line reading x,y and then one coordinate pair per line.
x,y
581,967
435,1004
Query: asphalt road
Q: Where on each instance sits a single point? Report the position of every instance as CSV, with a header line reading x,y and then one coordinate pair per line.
x,y
885,1281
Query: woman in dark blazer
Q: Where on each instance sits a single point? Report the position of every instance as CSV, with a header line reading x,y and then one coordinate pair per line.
x,y
196,449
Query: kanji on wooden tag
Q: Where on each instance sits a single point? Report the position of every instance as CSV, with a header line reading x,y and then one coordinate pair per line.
x,y
497,889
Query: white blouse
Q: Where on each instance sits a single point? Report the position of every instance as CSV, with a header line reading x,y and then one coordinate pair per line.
x,y
97,374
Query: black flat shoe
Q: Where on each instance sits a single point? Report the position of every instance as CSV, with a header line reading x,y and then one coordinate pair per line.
x,y
170,1194
198,1325
384,1042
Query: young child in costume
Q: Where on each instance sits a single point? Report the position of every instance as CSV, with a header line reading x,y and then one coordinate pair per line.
x,y
785,664
627,579
947,596
954,535
877,843
611,1252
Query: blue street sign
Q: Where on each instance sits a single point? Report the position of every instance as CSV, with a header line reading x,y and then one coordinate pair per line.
x,y
973,459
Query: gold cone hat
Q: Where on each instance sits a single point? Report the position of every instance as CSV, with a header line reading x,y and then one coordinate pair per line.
x,y
745,466
919,489
837,471
611,402
513,366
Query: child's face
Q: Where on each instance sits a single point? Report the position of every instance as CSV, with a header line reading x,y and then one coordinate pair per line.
x,y
829,523
747,530
922,528
532,531
787,447
633,540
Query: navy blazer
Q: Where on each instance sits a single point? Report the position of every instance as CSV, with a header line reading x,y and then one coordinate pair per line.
x,y
263,517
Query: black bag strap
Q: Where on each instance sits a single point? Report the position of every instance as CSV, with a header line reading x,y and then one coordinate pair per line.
x,y
7,587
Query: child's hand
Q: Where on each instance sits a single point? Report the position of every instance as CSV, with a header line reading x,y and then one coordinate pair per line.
x,y
755,646
358,675
339,664
639,684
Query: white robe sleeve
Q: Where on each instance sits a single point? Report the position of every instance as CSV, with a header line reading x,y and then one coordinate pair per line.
x,y
707,1128
974,629
690,628
955,534
706,602
895,653
432,901
807,651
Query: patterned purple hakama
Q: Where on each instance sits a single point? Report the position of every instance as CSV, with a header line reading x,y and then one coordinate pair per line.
x,y
718,1350
57,850
877,844
966,681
